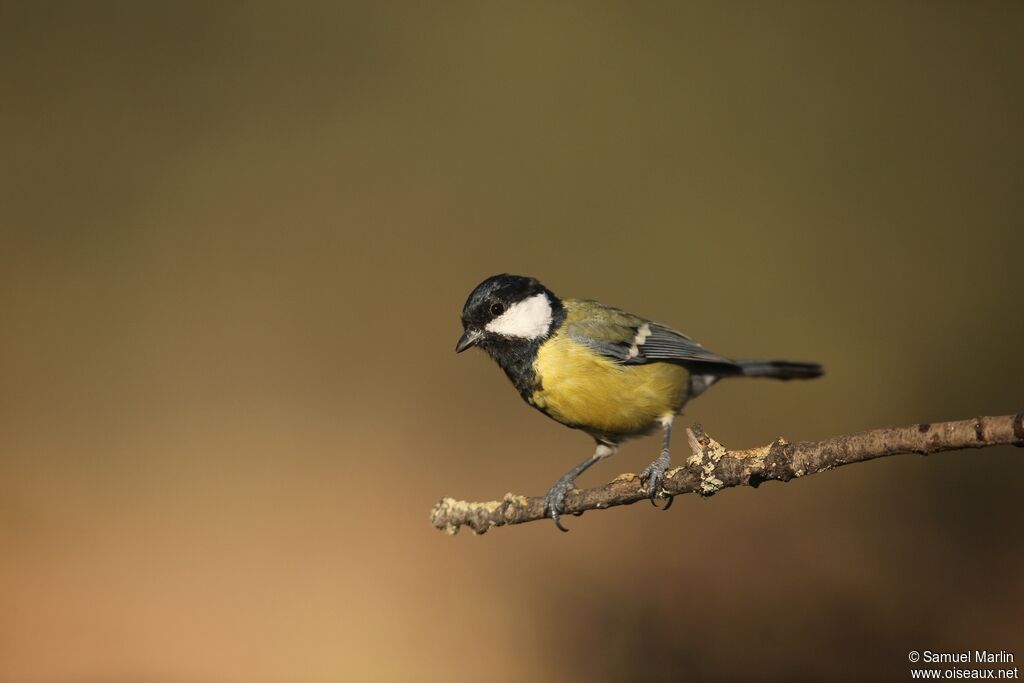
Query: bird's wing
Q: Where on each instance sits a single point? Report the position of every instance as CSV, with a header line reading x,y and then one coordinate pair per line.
x,y
632,340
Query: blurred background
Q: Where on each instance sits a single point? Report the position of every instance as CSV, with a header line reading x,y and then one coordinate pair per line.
x,y
235,240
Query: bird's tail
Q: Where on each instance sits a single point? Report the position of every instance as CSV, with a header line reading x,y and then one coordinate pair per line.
x,y
780,369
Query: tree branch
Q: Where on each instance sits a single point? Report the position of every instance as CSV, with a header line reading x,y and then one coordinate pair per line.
x,y
712,468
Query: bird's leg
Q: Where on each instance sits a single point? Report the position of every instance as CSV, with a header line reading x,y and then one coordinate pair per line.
x,y
554,501
654,472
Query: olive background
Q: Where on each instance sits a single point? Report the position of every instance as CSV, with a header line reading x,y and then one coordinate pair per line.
x,y
235,240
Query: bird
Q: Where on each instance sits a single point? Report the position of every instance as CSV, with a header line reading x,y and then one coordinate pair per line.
x,y
610,374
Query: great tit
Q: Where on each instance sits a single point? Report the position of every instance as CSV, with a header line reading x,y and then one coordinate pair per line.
x,y
611,374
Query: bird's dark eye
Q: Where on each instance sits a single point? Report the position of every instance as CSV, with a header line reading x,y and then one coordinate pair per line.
x,y
497,309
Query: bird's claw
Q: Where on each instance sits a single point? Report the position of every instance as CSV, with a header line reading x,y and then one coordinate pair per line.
x,y
653,475
554,501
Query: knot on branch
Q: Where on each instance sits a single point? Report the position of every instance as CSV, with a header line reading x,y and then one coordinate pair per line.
x,y
707,453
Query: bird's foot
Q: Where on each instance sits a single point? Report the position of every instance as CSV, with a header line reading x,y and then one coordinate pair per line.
x,y
652,477
554,501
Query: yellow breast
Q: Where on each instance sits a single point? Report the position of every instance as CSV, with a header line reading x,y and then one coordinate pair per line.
x,y
583,389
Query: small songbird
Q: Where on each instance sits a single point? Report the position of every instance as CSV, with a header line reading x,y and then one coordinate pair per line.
x,y
611,374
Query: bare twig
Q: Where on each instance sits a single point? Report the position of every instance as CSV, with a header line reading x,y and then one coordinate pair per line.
x,y
712,467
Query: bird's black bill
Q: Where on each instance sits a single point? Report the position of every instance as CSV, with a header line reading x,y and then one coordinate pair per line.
x,y
469,338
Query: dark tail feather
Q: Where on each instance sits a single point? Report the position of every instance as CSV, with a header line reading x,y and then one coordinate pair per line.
x,y
780,369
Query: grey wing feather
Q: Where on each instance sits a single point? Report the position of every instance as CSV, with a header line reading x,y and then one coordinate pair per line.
x,y
631,340
665,344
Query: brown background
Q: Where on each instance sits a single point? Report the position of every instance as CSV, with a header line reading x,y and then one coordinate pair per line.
x,y
235,242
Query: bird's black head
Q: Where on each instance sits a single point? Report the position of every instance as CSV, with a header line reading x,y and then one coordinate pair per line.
x,y
508,310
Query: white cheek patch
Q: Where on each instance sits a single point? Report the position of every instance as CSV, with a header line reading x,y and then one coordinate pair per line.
x,y
528,319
